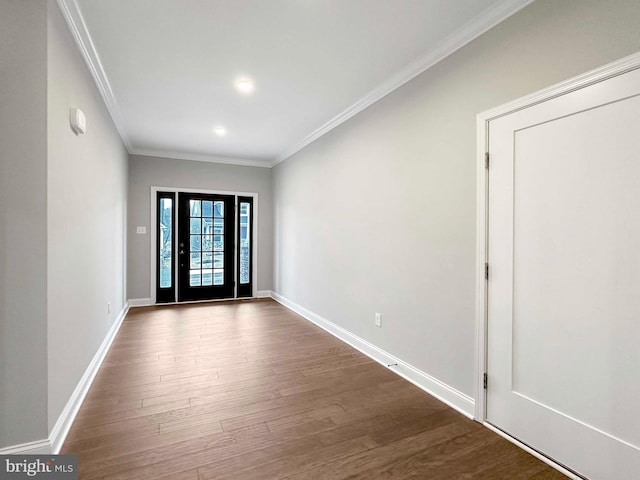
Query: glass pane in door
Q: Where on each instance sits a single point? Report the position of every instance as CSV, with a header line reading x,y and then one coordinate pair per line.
x,y
205,217
165,230
165,259
245,242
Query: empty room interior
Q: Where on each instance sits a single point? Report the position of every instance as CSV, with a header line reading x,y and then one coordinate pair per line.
x,y
329,239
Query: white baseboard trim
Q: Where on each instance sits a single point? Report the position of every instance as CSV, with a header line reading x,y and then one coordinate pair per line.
x,y
139,302
147,302
61,428
65,420
40,447
533,452
443,392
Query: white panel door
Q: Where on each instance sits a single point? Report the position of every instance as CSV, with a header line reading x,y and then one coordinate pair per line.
x,y
564,287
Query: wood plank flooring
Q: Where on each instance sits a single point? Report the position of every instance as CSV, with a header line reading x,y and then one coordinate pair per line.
x,y
250,390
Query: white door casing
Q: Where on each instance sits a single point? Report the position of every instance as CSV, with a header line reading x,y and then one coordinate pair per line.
x,y
563,298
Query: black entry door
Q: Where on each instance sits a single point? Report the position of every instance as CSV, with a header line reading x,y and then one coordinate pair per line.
x,y
205,246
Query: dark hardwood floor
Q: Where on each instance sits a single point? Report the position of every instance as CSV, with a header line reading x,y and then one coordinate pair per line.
x,y
250,390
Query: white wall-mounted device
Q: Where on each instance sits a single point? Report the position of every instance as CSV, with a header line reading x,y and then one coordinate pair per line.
x,y
78,121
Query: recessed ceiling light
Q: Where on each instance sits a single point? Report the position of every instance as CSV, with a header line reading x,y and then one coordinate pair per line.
x,y
245,86
220,131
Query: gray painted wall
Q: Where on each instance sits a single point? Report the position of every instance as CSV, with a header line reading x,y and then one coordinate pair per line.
x,y
145,172
379,214
86,218
23,221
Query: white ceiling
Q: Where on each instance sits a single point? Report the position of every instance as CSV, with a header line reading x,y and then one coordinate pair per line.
x,y
167,68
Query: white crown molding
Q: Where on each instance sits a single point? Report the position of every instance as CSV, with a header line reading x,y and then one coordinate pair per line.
x,y
473,29
73,16
197,157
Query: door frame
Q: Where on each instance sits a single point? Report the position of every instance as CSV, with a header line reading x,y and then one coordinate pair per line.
x,y
483,120
153,237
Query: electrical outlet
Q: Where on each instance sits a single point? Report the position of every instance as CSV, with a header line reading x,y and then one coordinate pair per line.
x,y
379,320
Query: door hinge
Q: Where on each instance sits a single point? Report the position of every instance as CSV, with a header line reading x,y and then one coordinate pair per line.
x,y
486,271
485,381
486,159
